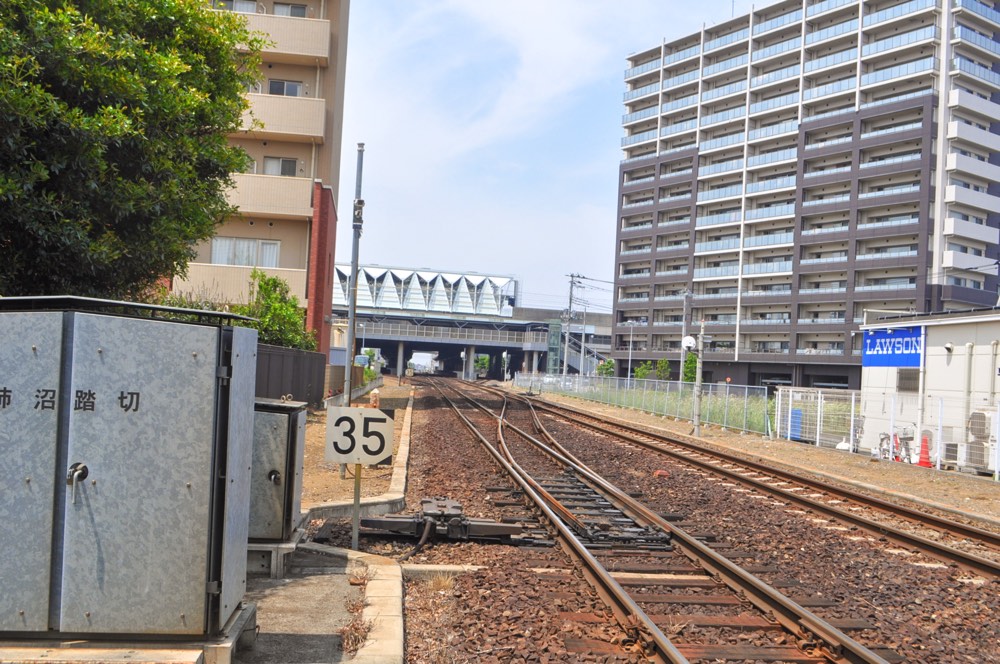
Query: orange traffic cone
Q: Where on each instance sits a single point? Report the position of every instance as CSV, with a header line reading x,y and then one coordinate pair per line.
x,y
925,454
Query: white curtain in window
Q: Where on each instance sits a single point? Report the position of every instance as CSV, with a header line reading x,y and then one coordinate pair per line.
x,y
244,252
222,250
268,254
272,166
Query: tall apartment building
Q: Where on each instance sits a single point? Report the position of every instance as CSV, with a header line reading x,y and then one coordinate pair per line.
x,y
287,220
788,170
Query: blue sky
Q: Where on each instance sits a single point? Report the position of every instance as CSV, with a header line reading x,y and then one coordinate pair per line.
x,y
492,133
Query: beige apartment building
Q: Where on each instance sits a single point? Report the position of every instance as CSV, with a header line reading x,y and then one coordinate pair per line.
x,y
287,199
790,171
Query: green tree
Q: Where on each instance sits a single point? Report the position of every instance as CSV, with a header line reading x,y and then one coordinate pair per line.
x,y
482,364
643,370
606,368
663,369
114,160
690,368
279,320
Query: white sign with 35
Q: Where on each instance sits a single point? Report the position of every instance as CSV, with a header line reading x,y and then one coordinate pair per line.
x,y
358,435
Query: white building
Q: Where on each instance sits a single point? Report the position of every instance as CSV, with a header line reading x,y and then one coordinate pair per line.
x,y
940,374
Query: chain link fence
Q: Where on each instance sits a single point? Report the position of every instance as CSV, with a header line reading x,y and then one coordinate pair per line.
x,y
957,433
740,407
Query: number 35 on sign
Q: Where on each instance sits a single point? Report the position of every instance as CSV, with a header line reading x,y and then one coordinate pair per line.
x,y
358,435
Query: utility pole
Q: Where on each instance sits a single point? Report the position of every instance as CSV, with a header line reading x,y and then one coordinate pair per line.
x,y
697,381
567,317
352,286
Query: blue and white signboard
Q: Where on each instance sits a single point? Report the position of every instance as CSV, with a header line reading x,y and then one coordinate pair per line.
x,y
898,347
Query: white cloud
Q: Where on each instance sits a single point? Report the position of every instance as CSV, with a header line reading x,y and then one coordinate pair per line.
x,y
492,130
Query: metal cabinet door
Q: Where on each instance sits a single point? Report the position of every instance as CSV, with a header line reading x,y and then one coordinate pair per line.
x,y
30,361
270,475
136,531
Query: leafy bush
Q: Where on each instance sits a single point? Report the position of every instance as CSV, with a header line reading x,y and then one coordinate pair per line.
x,y
279,320
606,368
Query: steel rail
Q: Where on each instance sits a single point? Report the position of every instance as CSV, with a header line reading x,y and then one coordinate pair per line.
x,y
802,623
943,552
628,614
808,628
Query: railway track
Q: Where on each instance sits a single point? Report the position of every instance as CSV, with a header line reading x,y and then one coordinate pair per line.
x,y
933,535
636,558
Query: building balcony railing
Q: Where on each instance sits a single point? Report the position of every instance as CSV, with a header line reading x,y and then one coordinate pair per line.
x,y
273,196
231,283
725,40
772,211
293,40
850,55
905,39
767,268
768,240
898,11
832,31
632,72
777,22
296,119
900,71
979,9
827,5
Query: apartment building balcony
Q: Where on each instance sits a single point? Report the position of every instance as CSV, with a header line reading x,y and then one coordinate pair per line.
x,y
272,196
974,136
822,264
295,119
961,261
231,283
967,229
970,102
962,67
972,166
972,198
898,12
304,41
978,9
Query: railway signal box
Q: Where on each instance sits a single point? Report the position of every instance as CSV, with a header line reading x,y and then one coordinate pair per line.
x,y
125,444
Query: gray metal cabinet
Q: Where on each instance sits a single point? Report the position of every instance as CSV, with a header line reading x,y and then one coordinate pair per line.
x,y
135,435
276,484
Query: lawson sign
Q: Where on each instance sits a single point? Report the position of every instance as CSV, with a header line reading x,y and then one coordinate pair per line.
x,y
900,347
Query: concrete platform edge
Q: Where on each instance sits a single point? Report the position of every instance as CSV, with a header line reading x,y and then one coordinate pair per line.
x,y
384,590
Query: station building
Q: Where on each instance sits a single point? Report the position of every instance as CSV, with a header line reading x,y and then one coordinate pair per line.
x,y
457,316
786,171
286,224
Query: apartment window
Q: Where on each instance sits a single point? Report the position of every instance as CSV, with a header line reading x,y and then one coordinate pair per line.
x,y
245,251
286,9
284,88
244,6
280,166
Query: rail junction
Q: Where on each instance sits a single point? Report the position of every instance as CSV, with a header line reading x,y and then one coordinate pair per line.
x,y
685,584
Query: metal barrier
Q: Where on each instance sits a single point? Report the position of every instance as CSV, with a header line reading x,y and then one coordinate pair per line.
x,y
740,407
955,432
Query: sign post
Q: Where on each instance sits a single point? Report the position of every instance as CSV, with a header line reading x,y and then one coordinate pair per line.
x,y
360,436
